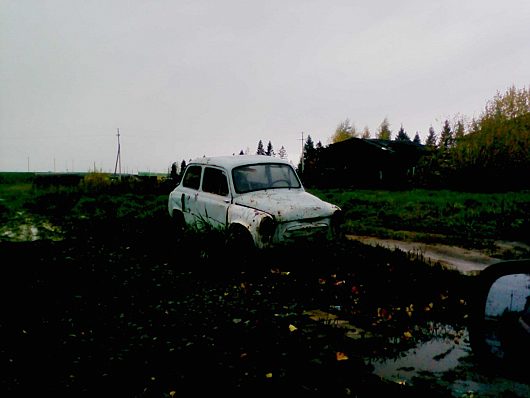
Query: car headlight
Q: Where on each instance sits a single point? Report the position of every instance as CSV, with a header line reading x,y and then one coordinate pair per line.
x,y
266,229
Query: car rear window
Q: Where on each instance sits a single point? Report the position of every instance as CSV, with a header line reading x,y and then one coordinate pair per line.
x,y
214,181
192,178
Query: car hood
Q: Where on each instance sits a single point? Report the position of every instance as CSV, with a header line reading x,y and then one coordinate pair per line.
x,y
287,204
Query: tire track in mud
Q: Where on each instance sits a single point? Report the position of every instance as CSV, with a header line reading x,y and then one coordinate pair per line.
x,y
464,260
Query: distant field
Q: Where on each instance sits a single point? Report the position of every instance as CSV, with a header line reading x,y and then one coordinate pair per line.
x,y
92,199
16,177
427,215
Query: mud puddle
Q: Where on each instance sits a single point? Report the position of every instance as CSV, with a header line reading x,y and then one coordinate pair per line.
x,y
447,361
25,228
444,359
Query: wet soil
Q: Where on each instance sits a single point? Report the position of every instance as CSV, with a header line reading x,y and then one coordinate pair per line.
x,y
139,314
108,315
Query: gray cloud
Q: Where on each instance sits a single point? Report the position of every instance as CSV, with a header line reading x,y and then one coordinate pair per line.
x,y
186,78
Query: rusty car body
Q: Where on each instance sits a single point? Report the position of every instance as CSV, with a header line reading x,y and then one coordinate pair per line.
x,y
254,197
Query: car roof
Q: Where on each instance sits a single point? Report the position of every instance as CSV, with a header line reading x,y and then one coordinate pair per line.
x,y
230,162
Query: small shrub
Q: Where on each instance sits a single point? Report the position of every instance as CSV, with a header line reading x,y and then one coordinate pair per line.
x,y
96,182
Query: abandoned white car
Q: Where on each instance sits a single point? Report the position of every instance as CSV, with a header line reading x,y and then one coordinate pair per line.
x,y
257,199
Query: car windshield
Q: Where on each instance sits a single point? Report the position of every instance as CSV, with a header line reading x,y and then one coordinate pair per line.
x,y
258,177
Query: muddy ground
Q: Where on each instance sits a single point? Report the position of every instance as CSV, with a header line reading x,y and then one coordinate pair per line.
x,y
135,313
464,260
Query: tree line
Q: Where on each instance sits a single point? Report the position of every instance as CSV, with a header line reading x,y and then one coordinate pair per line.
x,y
488,153
177,172
491,152
346,129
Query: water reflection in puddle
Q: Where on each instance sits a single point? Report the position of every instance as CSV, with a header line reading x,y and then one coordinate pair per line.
x,y
447,361
440,354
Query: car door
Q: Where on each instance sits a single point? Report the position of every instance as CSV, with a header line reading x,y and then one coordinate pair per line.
x,y
189,197
214,196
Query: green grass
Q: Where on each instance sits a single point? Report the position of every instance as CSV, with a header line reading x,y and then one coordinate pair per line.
x,y
97,203
15,194
434,215
468,219
16,177
12,198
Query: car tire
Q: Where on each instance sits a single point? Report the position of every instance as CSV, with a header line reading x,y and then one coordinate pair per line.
x,y
240,245
178,226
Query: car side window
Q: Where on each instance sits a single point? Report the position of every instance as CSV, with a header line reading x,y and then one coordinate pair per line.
x,y
192,178
215,181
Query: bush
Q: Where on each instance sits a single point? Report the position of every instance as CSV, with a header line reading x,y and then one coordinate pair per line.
x,y
95,182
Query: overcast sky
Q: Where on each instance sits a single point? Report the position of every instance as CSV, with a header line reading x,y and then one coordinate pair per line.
x,y
183,79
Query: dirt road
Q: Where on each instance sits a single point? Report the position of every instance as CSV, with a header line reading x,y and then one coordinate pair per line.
x,y
464,260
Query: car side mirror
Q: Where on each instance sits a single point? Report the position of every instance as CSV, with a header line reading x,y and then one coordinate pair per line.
x,y
500,327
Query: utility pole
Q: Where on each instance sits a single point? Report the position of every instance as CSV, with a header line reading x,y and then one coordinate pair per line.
x,y
302,160
118,157
28,164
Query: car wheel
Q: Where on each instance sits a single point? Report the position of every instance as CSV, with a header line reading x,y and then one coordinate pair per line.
x,y
240,244
178,225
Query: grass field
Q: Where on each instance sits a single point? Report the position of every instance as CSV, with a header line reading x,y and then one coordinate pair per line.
x,y
473,219
460,218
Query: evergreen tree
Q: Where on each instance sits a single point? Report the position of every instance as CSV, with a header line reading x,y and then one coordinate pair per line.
x,y
384,132
282,153
260,150
316,176
431,138
446,137
309,148
443,162
459,131
402,135
417,139
308,161
270,151
241,152
182,168
174,175
307,154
